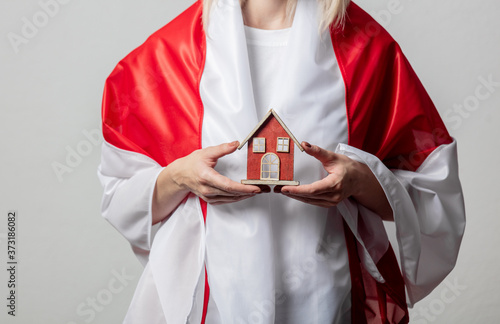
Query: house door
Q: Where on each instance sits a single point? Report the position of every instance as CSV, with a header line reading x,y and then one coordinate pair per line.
x,y
270,167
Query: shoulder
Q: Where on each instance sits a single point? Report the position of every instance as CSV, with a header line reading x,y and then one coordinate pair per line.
x,y
389,112
362,35
151,98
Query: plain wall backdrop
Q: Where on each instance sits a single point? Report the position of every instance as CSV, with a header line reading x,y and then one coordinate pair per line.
x,y
54,58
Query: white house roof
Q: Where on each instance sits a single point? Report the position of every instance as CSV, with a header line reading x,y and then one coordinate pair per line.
x,y
259,125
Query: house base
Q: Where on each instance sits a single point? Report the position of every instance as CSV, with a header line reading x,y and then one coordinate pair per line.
x,y
271,182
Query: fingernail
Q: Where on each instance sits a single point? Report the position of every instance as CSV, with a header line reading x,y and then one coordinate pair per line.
x,y
284,191
235,143
307,144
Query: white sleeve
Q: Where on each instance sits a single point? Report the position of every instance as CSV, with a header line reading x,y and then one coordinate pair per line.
x,y
429,216
129,180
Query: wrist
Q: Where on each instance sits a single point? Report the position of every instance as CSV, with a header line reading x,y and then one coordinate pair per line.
x,y
167,194
361,181
175,176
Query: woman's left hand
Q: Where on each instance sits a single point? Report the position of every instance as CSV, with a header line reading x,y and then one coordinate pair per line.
x,y
346,178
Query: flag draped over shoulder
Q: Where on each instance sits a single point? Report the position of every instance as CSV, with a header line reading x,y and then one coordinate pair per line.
x,y
349,90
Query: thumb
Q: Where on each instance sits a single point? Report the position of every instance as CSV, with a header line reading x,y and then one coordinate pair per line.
x,y
324,156
218,151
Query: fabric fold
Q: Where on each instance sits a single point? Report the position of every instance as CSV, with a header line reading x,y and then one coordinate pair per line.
x,y
427,205
258,244
272,259
177,263
129,180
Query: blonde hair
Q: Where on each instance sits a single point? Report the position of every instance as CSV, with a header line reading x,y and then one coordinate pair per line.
x,y
333,11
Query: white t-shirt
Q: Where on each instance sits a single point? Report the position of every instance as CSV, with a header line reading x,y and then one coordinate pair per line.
x,y
266,51
296,287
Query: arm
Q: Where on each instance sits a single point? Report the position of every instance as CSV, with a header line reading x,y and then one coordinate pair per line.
x,y
429,216
139,193
195,173
426,206
346,178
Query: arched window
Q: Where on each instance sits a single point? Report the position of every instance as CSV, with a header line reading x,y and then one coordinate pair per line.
x,y
270,167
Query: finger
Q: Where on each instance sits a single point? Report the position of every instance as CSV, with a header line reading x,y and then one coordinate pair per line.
x,y
324,156
332,198
326,185
220,200
218,151
210,192
264,188
319,203
218,181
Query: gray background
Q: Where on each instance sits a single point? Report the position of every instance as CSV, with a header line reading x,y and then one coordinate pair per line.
x,y
75,268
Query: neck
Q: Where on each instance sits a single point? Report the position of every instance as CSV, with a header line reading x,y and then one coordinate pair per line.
x,y
266,14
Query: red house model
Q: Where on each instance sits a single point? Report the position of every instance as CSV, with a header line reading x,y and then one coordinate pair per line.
x,y
270,152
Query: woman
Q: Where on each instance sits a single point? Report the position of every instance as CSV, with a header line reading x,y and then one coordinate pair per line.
x,y
217,251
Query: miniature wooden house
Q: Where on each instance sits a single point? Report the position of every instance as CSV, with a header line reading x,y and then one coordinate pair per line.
x,y
270,152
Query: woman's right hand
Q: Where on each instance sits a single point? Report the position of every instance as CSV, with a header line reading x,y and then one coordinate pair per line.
x,y
195,173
